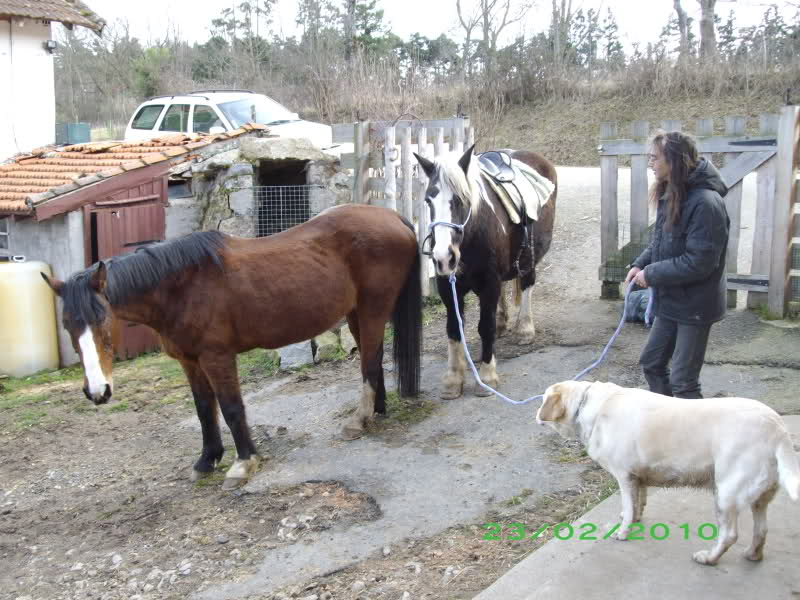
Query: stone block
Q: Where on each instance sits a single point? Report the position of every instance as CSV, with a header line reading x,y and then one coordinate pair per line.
x,y
327,346
296,355
347,341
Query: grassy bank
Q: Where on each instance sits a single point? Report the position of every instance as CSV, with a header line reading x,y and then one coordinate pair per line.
x,y
567,132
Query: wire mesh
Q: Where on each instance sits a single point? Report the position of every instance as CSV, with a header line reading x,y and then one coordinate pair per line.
x,y
4,234
279,207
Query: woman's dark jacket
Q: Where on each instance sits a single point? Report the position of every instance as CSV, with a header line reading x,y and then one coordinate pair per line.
x,y
685,265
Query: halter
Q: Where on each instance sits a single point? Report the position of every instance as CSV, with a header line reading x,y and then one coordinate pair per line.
x,y
456,226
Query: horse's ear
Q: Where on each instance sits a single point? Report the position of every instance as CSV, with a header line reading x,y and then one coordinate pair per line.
x,y
55,284
98,280
426,165
463,162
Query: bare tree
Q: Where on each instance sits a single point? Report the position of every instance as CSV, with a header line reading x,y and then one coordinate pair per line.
x,y
496,15
468,22
708,35
349,29
682,29
559,26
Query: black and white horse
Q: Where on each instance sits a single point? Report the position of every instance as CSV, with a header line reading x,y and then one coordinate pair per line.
x,y
474,236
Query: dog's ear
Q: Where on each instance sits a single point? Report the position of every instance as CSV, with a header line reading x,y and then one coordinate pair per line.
x,y
552,408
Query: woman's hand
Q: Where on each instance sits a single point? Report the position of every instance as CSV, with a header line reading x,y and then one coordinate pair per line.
x,y
640,280
631,274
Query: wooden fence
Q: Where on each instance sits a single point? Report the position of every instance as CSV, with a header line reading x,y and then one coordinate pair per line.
x,y
385,170
774,277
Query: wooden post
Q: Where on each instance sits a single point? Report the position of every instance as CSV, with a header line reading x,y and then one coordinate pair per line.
x,y
438,142
421,210
389,175
457,139
785,183
765,213
639,206
407,208
361,171
703,129
734,127
609,224
470,136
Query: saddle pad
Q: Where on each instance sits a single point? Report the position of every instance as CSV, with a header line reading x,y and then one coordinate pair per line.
x,y
528,186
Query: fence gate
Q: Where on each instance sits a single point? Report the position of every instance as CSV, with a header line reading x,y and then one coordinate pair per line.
x,y
774,277
385,171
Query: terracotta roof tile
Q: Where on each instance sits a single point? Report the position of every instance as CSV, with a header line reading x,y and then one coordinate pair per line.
x,y
175,151
153,158
13,206
65,169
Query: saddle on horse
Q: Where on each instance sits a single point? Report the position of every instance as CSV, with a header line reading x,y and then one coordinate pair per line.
x,y
521,189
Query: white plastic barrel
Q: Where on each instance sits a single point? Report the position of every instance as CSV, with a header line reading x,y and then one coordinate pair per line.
x,y
28,337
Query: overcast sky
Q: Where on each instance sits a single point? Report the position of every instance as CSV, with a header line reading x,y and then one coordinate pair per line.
x,y
638,20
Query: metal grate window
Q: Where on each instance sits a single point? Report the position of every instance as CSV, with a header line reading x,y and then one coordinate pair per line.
x,y
4,234
279,207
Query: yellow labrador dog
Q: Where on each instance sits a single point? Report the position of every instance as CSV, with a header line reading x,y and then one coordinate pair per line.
x,y
737,447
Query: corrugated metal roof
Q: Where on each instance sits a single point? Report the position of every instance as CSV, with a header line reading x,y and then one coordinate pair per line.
x,y
50,172
69,12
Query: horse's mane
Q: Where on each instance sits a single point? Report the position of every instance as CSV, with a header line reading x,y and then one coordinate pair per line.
x,y
463,187
137,273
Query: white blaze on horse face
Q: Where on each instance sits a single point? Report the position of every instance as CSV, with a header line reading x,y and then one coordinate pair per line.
x,y
95,378
442,235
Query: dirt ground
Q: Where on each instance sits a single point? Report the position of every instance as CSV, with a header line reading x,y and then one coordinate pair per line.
x,y
95,503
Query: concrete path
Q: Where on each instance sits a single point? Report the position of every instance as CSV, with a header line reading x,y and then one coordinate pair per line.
x,y
660,569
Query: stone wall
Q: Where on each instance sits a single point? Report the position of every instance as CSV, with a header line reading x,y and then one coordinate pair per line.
x,y
221,184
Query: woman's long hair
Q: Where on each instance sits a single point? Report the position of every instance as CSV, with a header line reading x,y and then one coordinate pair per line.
x,y
680,152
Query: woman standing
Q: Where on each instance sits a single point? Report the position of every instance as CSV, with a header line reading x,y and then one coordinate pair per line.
x,y
684,264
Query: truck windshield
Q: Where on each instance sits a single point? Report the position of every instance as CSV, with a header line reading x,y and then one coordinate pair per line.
x,y
258,109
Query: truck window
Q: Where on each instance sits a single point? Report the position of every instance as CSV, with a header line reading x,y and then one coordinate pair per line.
x,y
147,116
176,118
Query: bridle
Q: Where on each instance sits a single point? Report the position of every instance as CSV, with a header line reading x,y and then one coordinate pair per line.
x,y
456,226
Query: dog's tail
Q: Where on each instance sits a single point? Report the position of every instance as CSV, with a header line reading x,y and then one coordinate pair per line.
x,y
788,467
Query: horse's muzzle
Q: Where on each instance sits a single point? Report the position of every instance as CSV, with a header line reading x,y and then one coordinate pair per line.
x,y
448,265
98,399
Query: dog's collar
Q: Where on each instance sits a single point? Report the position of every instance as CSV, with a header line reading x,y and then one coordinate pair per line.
x,y
581,402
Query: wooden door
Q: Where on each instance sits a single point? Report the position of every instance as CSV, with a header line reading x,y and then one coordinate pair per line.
x,y
121,226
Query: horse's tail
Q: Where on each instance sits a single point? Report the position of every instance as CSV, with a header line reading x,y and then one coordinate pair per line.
x,y
407,323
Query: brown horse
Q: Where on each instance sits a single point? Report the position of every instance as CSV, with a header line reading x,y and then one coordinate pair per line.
x,y
478,241
211,296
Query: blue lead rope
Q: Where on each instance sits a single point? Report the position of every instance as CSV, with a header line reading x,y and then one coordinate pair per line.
x,y
539,396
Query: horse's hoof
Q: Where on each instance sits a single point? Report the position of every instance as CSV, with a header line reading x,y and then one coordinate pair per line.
x,y
350,433
451,392
525,339
198,475
240,472
231,483
482,392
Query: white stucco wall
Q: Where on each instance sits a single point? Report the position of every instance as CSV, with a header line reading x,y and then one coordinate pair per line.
x,y
27,88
